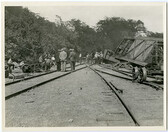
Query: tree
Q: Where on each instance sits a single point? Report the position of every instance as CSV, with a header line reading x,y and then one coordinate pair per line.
x,y
28,35
86,36
113,29
155,35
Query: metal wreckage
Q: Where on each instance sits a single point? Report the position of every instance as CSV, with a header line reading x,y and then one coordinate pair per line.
x,y
143,56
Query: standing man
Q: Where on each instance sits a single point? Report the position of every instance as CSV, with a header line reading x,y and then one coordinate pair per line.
x,y
101,57
45,59
87,58
41,61
53,61
10,65
80,58
72,57
48,63
63,57
57,59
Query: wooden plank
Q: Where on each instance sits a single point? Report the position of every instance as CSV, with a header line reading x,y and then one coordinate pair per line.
x,y
139,63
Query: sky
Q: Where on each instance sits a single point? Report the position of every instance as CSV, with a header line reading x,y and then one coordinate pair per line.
x,y
152,16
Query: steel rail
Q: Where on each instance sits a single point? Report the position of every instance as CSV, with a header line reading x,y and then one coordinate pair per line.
x,y
145,83
153,85
39,84
124,71
17,81
112,87
130,74
157,87
129,79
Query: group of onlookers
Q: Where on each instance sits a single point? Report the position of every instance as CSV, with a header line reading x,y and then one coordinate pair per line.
x,y
46,61
59,60
94,58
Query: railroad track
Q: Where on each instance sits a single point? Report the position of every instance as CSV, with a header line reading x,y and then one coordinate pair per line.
x,y
116,92
130,74
153,85
127,72
22,90
31,77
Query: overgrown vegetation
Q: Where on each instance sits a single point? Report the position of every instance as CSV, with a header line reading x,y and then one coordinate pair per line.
x,y
27,35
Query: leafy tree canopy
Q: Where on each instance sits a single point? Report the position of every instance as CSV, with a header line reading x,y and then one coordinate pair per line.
x,y
28,35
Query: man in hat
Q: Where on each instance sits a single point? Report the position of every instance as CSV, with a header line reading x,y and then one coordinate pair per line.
x,y
80,58
48,62
41,61
57,59
96,57
53,61
72,57
63,57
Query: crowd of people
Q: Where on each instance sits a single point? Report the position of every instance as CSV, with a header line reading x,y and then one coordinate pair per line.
x,y
94,58
61,58
58,60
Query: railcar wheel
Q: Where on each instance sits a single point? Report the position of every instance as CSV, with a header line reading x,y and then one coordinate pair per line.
x,y
142,74
135,73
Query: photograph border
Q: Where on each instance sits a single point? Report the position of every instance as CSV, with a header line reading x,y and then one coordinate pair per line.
x,y
76,3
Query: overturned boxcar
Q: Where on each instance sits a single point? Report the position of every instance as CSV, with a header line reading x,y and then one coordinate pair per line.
x,y
143,54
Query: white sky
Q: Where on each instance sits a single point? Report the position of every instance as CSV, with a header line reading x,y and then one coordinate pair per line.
x,y
152,16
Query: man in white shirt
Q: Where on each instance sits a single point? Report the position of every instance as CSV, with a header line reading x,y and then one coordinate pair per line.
x,y
96,57
80,58
10,65
53,60
63,57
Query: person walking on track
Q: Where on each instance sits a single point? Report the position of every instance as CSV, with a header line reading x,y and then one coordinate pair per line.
x,y
72,57
63,57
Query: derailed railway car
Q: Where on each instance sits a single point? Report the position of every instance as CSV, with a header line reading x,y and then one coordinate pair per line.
x,y
143,55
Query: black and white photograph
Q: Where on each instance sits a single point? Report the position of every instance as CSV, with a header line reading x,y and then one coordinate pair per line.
x,y
84,64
